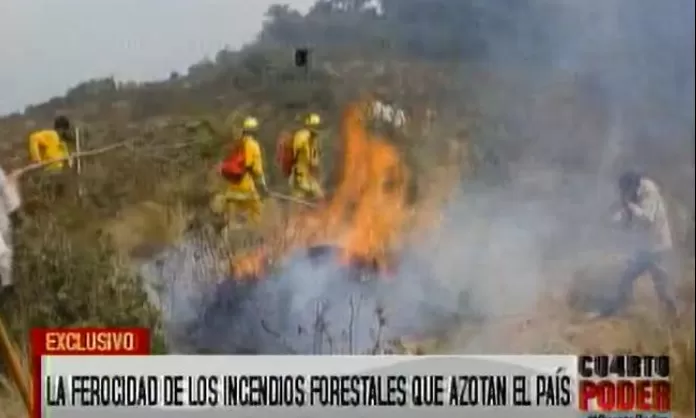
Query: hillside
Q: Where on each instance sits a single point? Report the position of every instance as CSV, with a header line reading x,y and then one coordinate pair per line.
x,y
494,214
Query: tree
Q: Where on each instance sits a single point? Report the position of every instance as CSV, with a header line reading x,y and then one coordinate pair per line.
x,y
430,29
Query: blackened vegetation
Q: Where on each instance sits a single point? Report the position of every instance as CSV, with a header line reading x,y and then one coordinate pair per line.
x,y
316,304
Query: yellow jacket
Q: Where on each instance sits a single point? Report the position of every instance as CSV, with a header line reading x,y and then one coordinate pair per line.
x,y
46,145
254,163
305,152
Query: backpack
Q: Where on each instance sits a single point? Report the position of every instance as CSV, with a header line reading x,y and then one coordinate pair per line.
x,y
234,166
284,154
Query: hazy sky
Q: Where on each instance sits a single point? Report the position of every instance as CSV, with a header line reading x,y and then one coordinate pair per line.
x,y
47,46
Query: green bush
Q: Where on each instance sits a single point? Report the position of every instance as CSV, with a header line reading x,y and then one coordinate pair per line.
x,y
62,281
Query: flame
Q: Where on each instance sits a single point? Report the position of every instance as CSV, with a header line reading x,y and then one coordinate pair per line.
x,y
374,185
366,215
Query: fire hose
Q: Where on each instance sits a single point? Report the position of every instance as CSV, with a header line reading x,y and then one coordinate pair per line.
x,y
8,352
291,199
35,166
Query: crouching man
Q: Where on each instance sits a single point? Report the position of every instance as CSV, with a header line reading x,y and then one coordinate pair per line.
x,y
9,204
643,211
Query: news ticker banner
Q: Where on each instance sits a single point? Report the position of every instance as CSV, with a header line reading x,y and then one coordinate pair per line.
x,y
109,373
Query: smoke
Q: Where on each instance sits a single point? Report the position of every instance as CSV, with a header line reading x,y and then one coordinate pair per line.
x,y
610,87
486,260
313,304
593,86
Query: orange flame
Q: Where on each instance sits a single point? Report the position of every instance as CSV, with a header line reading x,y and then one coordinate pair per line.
x,y
364,215
374,184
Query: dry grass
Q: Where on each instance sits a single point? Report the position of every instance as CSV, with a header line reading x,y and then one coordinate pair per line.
x,y
11,403
145,228
72,257
557,328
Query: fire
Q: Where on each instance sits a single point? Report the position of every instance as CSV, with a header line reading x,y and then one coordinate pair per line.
x,y
366,215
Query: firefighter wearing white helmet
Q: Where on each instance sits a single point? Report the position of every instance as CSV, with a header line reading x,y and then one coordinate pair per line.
x,y
304,183
244,175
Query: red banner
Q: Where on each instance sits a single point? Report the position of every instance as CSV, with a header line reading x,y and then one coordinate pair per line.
x,y
82,342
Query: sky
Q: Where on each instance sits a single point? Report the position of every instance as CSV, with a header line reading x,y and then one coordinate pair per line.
x,y
48,46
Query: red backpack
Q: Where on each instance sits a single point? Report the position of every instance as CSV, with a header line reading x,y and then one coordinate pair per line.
x,y
284,154
234,166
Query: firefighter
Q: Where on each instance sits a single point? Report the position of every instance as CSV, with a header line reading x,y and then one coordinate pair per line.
x,y
643,211
244,177
52,144
305,167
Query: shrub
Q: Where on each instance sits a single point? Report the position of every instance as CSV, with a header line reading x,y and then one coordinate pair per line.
x,y
63,282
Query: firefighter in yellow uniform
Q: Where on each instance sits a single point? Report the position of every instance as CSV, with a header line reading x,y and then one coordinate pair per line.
x,y
52,144
303,179
241,195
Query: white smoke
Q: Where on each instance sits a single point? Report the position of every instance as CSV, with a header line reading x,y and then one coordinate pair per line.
x,y
631,62
486,259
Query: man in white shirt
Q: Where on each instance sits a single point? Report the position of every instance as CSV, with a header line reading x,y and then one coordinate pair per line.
x,y
10,201
387,114
643,212
377,110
